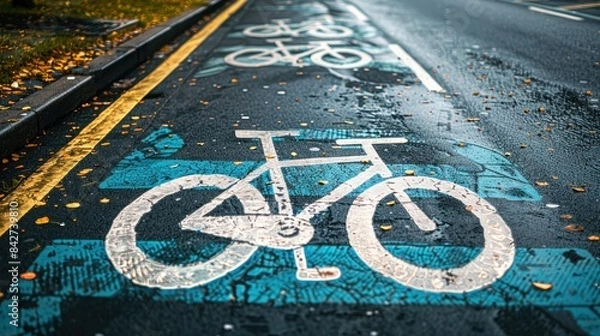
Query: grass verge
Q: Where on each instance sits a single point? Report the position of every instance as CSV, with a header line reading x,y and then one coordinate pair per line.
x,y
43,55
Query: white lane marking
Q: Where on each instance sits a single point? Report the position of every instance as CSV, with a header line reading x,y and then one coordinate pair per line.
x,y
423,75
359,15
549,12
375,141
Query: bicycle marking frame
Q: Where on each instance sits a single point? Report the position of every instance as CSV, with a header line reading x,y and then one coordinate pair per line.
x,y
259,227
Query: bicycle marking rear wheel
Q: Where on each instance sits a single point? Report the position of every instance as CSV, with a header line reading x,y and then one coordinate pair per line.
x,y
494,260
330,32
134,264
320,58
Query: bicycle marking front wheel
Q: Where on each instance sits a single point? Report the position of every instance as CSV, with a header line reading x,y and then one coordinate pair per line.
x,y
133,263
494,260
253,57
337,58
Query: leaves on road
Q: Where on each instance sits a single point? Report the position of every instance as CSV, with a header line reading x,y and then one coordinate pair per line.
x,y
73,205
542,286
574,228
42,220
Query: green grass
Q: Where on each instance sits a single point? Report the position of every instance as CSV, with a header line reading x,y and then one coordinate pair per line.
x,y
29,49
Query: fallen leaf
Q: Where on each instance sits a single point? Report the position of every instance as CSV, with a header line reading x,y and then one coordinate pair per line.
x,y
541,183
42,220
294,154
28,275
252,147
386,227
542,286
566,217
578,188
390,203
104,200
237,163
84,172
469,207
574,228
594,238
303,124
323,182
73,205
409,172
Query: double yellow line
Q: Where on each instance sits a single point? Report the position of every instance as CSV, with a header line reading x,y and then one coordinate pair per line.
x,y
35,188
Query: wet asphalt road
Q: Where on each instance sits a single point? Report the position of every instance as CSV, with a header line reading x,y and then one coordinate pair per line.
x,y
498,63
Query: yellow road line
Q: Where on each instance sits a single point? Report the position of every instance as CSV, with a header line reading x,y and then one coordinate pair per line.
x,y
35,188
582,6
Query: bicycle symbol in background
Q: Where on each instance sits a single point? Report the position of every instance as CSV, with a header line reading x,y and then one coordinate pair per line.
x,y
311,28
258,227
321,52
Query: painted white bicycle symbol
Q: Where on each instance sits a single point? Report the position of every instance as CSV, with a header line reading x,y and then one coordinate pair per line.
x,y
258,227
321,53
310,28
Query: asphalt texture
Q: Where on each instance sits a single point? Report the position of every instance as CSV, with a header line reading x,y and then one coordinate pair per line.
x,y
515,125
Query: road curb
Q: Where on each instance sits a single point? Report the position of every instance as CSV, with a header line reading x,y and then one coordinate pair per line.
x,y
28,117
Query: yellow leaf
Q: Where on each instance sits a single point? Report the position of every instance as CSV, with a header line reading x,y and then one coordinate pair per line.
x,y
541,183
409,172
294,154
28,275
42,220
104,200
578,188
84,172
542,286
73,205
594,238
574,228
566,217
253,147
386,227
323,182
237,163
390,203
